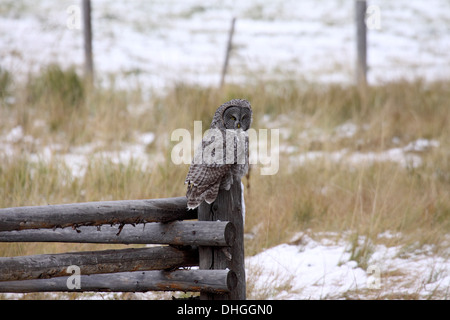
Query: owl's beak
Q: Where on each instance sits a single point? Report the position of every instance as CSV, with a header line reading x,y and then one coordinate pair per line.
x,y
239,125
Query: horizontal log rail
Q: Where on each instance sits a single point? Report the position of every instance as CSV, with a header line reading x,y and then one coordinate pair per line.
x,y
46,266
210,281
194,233
95,214
214,244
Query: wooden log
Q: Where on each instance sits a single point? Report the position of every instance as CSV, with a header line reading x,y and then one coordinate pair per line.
x,y
194,233
95,213
212,281
46,266
227,206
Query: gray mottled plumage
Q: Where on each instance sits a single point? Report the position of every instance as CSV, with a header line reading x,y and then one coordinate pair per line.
x,y
211,170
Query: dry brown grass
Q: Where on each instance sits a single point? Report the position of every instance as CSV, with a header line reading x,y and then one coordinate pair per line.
x,y
322,195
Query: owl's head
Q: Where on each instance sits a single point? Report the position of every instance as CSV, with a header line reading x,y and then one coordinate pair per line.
x,y
234,114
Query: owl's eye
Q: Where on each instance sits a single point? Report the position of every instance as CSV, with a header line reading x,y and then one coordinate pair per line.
x,y
233,118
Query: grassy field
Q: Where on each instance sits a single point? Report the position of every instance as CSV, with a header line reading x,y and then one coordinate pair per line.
x,y
56,108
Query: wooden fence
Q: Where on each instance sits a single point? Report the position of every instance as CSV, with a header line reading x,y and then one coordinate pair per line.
x,y
214,242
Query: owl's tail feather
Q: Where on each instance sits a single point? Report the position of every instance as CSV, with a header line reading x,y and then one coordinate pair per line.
x,y
195,196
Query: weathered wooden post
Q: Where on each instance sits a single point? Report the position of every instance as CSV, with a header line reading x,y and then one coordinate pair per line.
x,y
227,207
87,32
361,43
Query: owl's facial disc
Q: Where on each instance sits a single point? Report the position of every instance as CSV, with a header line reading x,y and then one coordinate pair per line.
x,y
231,117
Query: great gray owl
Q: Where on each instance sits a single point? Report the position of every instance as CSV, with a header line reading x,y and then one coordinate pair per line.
x,y
222,155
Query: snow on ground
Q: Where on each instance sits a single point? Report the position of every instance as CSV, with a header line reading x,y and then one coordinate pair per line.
x,y
402,156
323,269
78,158
406,154
157,43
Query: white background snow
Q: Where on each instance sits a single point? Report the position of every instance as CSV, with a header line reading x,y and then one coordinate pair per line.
x,y
159,43
162,42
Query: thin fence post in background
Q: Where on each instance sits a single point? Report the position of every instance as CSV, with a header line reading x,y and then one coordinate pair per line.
x,y
361,43
227,53
87,32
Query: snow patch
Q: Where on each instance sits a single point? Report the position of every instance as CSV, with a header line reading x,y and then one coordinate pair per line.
x,y
403,156
322,269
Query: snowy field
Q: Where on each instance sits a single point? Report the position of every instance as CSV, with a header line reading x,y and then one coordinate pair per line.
x,y
323,269
158,43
